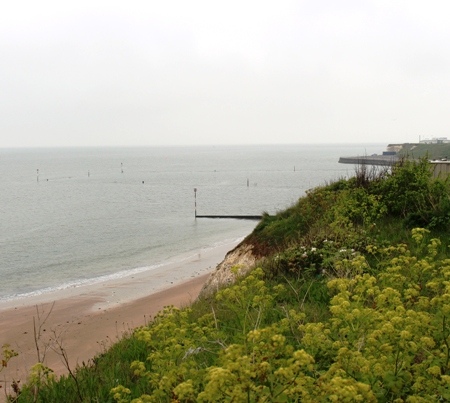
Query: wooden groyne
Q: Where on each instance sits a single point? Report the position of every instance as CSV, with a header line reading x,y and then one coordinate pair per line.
x,y
236,217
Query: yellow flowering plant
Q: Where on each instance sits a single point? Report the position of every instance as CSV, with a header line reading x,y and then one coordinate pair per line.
x,y
386,339
389,331
7,354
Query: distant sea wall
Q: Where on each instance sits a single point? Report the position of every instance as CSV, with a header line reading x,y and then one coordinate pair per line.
x,y
386,160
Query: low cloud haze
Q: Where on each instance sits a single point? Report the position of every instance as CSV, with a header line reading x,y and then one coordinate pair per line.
x,y
107,73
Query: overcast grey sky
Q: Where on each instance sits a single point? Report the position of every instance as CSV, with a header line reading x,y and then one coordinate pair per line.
x,y
110,73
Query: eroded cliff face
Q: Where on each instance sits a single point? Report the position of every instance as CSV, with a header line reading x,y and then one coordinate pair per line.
x,y
240,256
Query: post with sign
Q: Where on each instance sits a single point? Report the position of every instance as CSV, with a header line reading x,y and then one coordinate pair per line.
x,y
195,201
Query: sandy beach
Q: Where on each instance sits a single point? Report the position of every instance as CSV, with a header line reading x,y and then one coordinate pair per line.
x,y
88,319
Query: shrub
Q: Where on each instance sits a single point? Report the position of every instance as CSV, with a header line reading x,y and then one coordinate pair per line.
x,y
409,188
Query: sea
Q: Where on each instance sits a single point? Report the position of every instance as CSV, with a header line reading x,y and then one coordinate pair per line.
x,y
76,216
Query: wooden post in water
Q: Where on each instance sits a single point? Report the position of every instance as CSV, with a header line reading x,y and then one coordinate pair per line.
x,y
37,175
195,201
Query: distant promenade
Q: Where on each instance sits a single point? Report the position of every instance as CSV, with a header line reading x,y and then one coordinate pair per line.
x,y
385,160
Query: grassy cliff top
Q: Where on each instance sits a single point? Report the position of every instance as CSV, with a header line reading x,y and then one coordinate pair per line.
x,y
432,151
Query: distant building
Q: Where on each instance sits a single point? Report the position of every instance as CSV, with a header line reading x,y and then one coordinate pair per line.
x,y
435,140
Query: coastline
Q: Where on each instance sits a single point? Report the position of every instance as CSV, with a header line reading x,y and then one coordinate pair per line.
x,y
135,283
88,319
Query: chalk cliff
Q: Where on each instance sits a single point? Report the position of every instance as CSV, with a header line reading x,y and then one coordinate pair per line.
x,y
241,256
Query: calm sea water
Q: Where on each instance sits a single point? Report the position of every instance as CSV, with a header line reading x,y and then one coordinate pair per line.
x,y
99,212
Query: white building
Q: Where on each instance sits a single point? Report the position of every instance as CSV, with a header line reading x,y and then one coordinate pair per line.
x,y
435,140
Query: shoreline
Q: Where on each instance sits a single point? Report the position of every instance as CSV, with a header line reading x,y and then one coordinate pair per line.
x,y
125,288
88,319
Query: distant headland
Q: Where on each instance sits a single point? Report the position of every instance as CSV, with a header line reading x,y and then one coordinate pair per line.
x,y
436,149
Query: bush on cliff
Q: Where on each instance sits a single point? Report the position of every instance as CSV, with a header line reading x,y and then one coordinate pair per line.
x,y
350,209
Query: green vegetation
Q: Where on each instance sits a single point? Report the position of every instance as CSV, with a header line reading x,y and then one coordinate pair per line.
x,y
351,303
433,151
